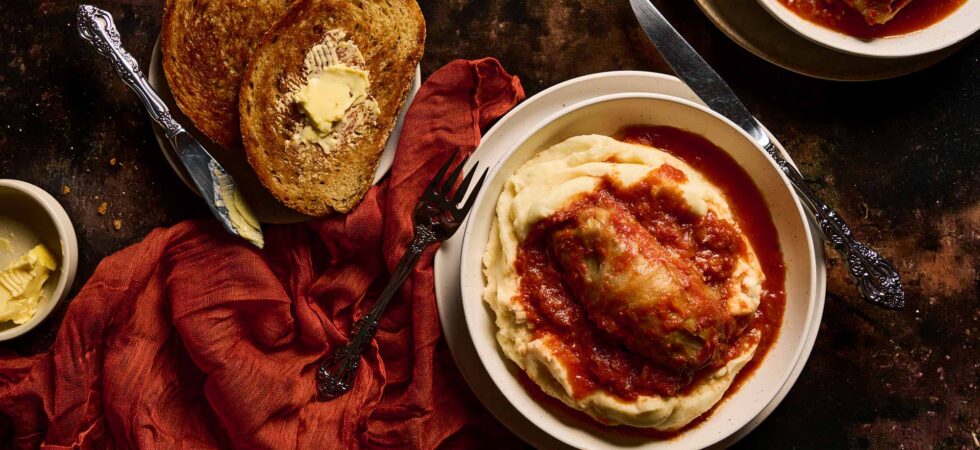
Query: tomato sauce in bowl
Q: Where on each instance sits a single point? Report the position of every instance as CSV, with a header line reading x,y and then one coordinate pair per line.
x,y
598,362
838,16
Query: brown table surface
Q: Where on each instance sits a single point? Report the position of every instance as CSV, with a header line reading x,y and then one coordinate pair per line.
x,y
899,159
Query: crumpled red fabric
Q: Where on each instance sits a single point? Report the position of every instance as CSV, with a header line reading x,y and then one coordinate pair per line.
x,y
194,339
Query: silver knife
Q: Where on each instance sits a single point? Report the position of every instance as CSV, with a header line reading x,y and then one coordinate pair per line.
x,y
217,187
874,276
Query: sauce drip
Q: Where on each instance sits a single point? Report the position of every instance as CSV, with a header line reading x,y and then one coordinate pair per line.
x,y
838,16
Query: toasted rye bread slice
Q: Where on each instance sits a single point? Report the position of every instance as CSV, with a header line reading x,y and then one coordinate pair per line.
x,y
206,45
390,34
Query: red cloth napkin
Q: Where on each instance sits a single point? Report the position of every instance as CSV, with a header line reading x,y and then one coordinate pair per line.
x,y
193,339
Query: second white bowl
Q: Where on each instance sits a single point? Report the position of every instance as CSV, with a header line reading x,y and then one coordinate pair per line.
x,y
952,29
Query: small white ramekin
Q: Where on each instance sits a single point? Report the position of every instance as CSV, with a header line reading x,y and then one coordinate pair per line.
x,y
35,217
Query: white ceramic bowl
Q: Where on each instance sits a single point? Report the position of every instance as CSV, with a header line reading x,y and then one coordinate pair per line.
x,y
33,216
606,115
956,27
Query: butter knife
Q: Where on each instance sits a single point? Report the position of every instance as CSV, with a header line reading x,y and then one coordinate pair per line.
x,y
216,185
875,277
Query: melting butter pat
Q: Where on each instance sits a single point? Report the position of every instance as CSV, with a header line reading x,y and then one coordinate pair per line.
x,y
328,94
21,284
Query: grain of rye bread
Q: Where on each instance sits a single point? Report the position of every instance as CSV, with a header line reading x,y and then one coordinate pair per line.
x,y
390,34
206,46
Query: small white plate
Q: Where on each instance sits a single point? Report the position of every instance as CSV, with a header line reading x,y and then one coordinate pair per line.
x,y
264,205
959,25
30,216
500,139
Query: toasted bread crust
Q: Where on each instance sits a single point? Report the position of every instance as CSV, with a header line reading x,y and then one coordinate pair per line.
x,y
206,46
390,35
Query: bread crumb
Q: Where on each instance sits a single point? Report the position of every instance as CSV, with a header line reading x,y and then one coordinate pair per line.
x,y
103,208
117,224
112,161
65,190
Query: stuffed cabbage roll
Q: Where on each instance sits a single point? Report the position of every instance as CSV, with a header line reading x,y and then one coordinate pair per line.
x,y
639,292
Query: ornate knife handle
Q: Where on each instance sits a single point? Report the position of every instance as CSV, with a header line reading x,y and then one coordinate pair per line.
x,y
875,277
96,27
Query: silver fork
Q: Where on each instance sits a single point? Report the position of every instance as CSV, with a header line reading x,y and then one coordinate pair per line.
x,y
437,216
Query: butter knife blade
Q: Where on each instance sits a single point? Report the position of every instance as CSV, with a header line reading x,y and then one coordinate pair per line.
x,y
875,277
218,188
216,185
694,70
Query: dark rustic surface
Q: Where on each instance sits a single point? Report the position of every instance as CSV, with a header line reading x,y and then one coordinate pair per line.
x,y
898,158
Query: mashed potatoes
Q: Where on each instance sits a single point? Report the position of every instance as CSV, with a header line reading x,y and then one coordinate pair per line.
x,y
553,180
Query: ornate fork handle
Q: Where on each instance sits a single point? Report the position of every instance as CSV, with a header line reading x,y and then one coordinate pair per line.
x,y
875,277
96,27
439,212
335,376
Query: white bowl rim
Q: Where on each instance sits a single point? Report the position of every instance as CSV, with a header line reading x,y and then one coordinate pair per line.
x,y
69,253
471,307
872,48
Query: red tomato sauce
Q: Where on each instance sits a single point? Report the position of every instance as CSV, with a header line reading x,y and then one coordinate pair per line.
x,y
838,16
750,211
594,359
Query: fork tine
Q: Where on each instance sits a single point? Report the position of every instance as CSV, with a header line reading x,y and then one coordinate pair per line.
x,y
431,188
463,186
453,177
461,212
